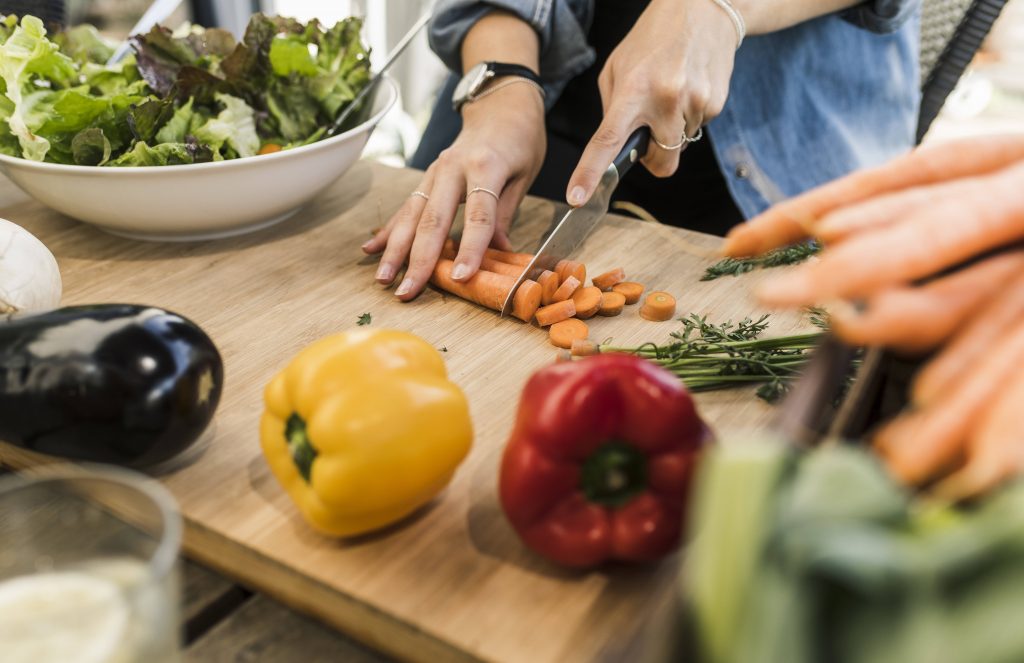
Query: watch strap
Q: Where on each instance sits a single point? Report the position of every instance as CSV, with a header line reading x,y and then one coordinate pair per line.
x,y
499,69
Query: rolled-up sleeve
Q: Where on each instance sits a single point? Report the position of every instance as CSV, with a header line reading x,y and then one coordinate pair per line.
x,y
882,16
561,26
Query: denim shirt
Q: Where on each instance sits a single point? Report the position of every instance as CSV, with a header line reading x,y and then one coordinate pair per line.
x,y
806,105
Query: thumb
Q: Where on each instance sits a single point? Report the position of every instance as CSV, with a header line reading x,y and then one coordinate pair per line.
x,y
599,153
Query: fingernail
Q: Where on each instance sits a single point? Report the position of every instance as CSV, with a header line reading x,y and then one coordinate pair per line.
x,y
404,288
366,244
460,272
385,273
576,196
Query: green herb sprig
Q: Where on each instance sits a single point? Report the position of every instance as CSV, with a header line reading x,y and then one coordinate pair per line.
x,y
364,319
787,255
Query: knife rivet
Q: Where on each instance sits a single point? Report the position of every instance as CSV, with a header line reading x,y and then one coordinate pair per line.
x,y
632,156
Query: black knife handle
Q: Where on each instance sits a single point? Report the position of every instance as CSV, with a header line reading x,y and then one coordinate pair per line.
x,y
634,149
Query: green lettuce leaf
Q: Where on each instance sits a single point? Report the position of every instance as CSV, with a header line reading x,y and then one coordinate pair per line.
x,y
234,127
90,148
290,55
177,128
166,154
83,44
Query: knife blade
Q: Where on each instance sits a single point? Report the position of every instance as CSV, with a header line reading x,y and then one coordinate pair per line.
x,y
578,222
157,12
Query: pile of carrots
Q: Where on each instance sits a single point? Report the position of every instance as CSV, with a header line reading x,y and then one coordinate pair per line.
x,y
558,300
924,254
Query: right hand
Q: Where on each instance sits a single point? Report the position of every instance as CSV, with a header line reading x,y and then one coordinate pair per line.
x,y
501,148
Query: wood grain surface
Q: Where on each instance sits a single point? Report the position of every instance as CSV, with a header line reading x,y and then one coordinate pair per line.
x,y
452,583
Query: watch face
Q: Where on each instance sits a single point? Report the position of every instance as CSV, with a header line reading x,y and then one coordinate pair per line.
x,y
470,83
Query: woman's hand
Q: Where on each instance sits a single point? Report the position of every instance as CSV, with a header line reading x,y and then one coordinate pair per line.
x,y
501,149
671,73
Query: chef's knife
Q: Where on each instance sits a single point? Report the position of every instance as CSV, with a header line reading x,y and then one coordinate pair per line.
x,y
157,12
578,222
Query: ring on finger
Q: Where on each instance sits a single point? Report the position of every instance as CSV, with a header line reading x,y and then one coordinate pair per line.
x,y
682,141
420,194
480,189
696,137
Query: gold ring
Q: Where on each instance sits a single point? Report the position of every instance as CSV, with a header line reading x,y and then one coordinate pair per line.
x,y
420,194
480,189
682,141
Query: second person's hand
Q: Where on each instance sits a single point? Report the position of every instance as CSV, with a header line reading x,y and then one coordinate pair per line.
x,y
490,166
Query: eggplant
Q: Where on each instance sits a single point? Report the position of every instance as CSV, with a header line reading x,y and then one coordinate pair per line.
x,y
113,383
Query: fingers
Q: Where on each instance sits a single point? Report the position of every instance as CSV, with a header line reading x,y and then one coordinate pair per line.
x,y
662,160
511,198
398,233
601,151
431,232
478,226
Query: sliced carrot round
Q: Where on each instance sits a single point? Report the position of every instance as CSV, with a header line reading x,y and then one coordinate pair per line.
x,y
526,300
552,313
658,307
612,303
588,301
608,279
270,148
567,268
630,289
548,281
562,334
565,290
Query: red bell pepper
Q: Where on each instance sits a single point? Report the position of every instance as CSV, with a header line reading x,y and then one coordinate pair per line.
x,y
600,461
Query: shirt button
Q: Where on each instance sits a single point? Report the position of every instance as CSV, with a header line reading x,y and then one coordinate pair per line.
x,y
742,171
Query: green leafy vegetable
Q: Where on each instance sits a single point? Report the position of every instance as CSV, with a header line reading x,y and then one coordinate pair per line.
x,y
787,255
186,96
364,319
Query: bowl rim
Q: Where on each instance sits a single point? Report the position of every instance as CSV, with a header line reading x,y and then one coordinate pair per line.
x,y
102,171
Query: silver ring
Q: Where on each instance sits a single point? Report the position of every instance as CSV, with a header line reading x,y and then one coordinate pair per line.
x,y
683,141
420,194
480,189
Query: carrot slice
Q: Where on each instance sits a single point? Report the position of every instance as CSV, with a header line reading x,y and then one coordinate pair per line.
x,y
581,347
658,307
567,268
565,290
548,280
612,304
631,290
489,290
608,279
270,148
507,257
588,301
552,313
564,333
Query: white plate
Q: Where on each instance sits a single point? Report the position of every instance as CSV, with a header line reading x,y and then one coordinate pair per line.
x,y
198,201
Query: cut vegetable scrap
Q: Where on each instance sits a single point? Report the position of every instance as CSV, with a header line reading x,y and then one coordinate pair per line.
x,y
567,288
567,268
631,290
582,347
611,304
548,281
552,313
658,307
489,290
563,334
608,279
588,301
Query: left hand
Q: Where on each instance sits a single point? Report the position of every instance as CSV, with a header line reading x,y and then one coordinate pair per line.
x,y
671,73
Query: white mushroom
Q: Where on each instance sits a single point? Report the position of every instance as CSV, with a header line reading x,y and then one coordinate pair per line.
x,y
29,277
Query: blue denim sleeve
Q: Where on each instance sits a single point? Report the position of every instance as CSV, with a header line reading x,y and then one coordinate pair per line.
x,y
562,26
882,16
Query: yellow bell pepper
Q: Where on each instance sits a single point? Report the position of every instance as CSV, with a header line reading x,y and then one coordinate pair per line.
x,y
364,427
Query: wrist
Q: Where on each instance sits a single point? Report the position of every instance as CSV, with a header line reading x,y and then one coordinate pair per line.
x,y
521,101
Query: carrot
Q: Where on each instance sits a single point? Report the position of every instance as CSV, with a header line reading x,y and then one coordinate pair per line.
x,y
515,271
562,356
507,257
612,304
919,446
608,279
631,290
658,307
552,313
951,230
1000,315
567,268
789,222
581,347
549,283
588,301
565,290
918,319
270,148
564,333
994,450
489,290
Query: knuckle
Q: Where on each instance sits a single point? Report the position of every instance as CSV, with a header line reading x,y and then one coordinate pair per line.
x,y
479,217
699,97
430,220
667,95
607,136
482,161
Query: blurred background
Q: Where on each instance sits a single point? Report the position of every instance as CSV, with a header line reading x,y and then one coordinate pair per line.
x,y
990,98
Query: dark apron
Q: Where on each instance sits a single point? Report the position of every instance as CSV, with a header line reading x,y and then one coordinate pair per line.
x,y
696,197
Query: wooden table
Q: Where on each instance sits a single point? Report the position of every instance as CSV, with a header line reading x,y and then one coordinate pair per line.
x,y
452,583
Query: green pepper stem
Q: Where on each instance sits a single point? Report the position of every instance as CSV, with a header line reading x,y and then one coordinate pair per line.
x,y
301,447
614,474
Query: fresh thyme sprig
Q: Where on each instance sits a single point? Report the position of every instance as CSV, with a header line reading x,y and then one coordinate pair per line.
x,y
787,255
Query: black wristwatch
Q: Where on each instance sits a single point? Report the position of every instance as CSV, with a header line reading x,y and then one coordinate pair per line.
x,y
477,78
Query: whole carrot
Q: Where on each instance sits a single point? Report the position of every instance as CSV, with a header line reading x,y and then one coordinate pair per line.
x,y
791,221
489,290
953,230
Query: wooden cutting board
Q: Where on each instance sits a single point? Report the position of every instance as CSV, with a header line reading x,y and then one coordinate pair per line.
x,y
453,583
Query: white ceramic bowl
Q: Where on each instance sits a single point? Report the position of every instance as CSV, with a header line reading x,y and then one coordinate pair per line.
x,y
198,201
